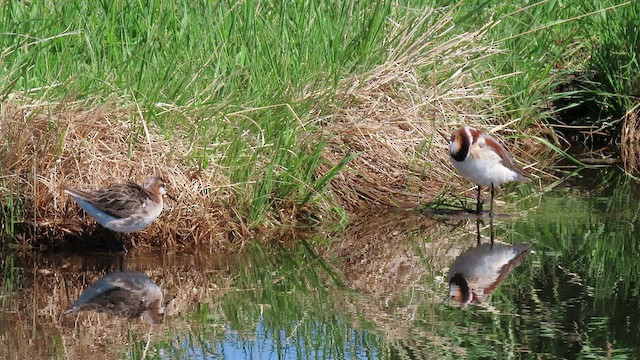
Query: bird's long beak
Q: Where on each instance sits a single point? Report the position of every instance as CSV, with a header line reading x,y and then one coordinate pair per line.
x,y
445,136
171,197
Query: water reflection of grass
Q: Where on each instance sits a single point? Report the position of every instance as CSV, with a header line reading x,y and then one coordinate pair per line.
x,y
593,232
290,298
10,282
391,295
376,290
356,296
587,259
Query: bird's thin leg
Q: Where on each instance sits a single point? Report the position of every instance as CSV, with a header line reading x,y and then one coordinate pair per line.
x,y
478,229
479,203
491,208
491,230
121,261
122,243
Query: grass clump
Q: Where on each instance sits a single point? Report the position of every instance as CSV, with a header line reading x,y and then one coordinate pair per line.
x,y
216,79
52,148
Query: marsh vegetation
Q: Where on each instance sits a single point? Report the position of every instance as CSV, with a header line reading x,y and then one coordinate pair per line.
x,y
264,115
300,139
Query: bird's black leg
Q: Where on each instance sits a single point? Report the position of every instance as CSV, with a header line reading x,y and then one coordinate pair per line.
x,y
491,208
121,262
122,243
491,230
479,203
478,229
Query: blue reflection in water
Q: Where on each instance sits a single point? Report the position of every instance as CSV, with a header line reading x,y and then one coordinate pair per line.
x,y
261,345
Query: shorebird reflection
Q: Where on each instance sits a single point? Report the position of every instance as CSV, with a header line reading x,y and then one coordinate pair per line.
x,y
479,270
127,294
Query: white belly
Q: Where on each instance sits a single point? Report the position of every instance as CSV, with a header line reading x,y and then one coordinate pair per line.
x,y
485,172
130,224
135,222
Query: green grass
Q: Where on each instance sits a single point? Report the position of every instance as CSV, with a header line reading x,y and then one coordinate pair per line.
x,y
216,55
615,62
10,211
534,42
573,61
246,82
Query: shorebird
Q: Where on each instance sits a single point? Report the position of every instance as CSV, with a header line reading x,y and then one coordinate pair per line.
x,y
123,208
479,270
481,159
127,294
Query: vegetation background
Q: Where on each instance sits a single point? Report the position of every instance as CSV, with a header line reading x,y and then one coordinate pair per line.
x,y
289,115
286,114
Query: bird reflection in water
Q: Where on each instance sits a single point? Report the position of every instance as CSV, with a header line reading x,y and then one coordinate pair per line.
x,y
479,270
123,293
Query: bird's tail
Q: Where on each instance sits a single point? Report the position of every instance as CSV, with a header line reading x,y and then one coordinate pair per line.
x,y
78,193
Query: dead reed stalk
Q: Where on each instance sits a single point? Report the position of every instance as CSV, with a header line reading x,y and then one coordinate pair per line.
x,y
630,143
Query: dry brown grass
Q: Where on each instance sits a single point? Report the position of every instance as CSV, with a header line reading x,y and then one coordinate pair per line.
x,y
390,116
631,140
47,147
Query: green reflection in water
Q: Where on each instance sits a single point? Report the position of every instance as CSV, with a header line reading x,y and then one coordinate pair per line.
x,y
379,290
584,284
291,296
575,296
284,303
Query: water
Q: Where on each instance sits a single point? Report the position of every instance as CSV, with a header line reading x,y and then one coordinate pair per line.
x,y
378,289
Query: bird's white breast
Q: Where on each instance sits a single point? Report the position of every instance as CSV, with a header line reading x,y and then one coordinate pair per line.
x,y
484,167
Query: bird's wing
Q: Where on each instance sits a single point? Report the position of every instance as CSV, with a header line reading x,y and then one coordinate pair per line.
x,y
507,159
121,200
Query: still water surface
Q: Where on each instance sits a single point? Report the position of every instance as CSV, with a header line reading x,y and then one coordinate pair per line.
x,y
377,289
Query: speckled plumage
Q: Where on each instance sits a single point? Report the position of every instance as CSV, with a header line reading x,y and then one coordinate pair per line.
x,y
127,294
126,207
